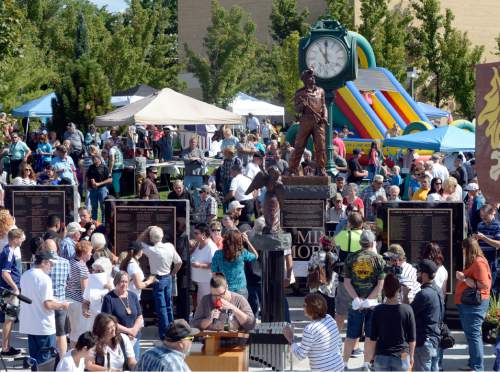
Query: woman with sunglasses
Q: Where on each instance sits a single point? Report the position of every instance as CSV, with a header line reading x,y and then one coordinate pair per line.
x,y
436,192
113,351
216,233
26,176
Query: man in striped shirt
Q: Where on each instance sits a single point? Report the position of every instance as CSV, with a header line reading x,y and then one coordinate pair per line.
x,y
170,354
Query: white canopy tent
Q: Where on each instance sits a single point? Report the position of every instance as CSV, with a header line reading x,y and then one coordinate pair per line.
x,y
243,104
131,95
168,107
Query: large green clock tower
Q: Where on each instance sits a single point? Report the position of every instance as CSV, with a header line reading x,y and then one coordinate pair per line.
x,y
331,52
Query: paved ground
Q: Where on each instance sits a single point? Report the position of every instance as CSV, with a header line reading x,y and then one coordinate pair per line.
x,y
453,359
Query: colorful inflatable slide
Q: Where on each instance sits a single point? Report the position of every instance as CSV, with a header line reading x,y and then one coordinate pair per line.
x,y
374,102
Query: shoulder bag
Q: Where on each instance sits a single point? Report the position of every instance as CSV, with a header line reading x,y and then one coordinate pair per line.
x,y
471,296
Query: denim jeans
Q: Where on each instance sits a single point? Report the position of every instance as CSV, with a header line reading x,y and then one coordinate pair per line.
x,y
137,348
162,294
426,358
254,297
471,317
193,182
97,197
40,347
392,363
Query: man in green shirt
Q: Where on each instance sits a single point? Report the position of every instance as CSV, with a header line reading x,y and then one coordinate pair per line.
x,y
363,280
347,243
18,152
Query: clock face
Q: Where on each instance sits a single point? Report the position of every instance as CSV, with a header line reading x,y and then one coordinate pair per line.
x,y
327,57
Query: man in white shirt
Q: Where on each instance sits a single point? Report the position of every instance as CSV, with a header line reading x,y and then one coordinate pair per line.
x,y
161,256
252,123
37,320
237,189
438,169
254,167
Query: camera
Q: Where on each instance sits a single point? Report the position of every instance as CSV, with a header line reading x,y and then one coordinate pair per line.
x,y
393,269
390,268
10,309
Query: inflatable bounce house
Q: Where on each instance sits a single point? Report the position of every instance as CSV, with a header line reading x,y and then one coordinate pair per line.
x,y
375,102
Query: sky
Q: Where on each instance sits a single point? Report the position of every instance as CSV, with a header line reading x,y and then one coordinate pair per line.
x,y
113,5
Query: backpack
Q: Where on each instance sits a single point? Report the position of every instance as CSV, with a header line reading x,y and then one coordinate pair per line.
x,y
317,276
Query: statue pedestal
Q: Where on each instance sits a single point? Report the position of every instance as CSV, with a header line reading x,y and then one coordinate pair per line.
x,y
304,201
271,247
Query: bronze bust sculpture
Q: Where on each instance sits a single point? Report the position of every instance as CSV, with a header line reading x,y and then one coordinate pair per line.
x,y
273,199
310,104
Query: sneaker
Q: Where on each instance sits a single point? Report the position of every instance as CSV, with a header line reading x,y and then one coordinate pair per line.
x,y
11,352
366,367
357,353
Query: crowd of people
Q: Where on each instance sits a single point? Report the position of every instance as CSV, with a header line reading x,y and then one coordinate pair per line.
x,y
83,290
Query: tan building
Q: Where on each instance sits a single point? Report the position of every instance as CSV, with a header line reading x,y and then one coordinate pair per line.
x,y
479,18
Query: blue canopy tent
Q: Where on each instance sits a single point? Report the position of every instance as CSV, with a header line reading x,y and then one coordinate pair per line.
x,y
433,112
38,108
443,139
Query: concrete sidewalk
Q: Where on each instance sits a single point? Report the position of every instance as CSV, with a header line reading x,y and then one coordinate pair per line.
x,y
453,358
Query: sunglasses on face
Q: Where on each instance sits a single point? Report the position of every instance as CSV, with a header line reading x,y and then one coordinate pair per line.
x,y
189,338
216,230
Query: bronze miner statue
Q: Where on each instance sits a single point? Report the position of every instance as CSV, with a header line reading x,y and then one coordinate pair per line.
x,y
310,104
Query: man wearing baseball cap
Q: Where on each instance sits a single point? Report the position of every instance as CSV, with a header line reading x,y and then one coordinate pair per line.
x,y
474,202
234,210
37,319
429,310
67,247
207,210
363,281
170,354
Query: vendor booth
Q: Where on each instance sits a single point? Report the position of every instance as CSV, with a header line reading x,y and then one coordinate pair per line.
x,y
443,139
131,95
243,104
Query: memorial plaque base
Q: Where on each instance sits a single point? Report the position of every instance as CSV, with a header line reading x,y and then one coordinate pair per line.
x,y
308,188
271,248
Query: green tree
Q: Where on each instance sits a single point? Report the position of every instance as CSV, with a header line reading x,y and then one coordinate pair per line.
x,y
230,47
342,11
82,39
391,50
11,29
373,14
286,19
458,67
82,94
426,49
287,74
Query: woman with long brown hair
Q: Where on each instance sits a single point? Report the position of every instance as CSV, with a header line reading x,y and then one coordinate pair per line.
x,y
432,251
113,350
476,274
231,260
26,176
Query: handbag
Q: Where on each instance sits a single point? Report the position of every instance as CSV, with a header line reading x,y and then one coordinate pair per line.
x,y
447,341
471,296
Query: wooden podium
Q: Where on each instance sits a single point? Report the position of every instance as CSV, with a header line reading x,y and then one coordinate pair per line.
x,y
213,357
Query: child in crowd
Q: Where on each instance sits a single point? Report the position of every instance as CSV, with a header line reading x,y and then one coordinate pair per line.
x,y
74,360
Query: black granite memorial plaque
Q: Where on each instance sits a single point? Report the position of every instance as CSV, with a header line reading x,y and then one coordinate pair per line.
x,y
296,213
414,224
126,219
32,205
